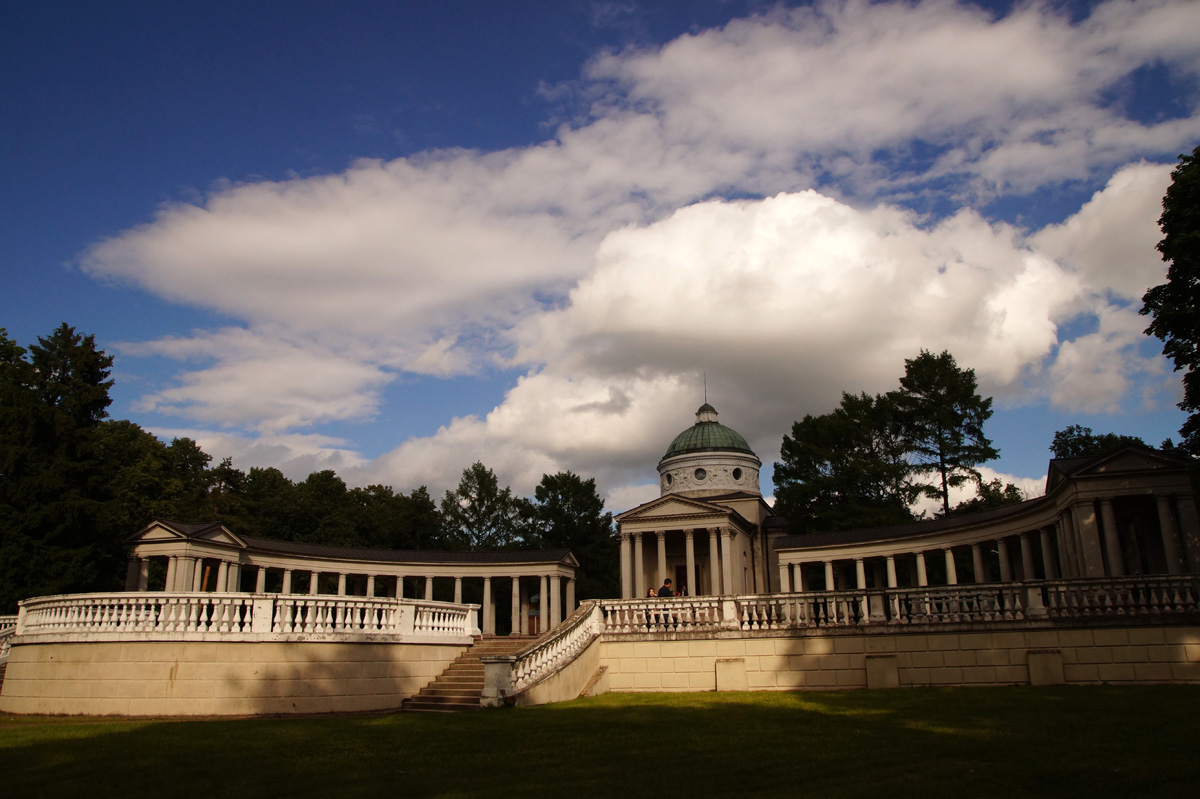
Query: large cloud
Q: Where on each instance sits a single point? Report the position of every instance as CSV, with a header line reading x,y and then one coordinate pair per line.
x,y
610,263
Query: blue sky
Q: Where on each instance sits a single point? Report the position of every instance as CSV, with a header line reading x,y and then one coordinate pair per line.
x,y
395,238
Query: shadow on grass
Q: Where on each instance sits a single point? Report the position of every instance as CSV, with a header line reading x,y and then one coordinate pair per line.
x,y
1103,741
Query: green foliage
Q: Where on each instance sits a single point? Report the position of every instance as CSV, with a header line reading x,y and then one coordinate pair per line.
x,y
1174,306
943,417
1080,442
845,469
479,514
567,512
992,494
52,399
860,465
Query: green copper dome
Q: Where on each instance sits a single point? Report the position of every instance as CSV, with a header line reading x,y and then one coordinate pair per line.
x,y
707,435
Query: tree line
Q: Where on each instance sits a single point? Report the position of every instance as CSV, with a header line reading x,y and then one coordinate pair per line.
x,y
74,485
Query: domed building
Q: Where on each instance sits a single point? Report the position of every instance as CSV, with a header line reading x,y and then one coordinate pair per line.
x,y
708,531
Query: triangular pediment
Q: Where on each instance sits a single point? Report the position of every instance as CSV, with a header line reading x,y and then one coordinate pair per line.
x,y
1127,460
165,530
672,505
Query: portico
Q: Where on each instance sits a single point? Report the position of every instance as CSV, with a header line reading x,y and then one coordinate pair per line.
x,y
708,531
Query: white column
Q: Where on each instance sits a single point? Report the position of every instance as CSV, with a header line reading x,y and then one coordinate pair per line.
x,y
1066,546
1048,563
690,547
172,566
556,616
570,596
891,571
235,577
524,608
287,581
516,606
314,583
144,574
977,564
714,562
341,584
860,574
429,589
785,578
626,567
799,578
198,574
370,586
1027,570
662,556
951,571
727,560
260,582
1170,535
458,590
1005,564
639,574
922,575
1112,544
223,576
829,575
488,622
543,605
399,586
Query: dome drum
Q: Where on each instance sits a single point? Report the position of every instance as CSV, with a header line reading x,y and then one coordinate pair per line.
x,y
708,459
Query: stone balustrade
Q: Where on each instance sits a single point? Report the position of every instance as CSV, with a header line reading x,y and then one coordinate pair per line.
x,y
136,616
1122,596
547,655
668,614
8,626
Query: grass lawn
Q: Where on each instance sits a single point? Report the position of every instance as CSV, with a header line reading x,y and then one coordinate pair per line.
x,y
960,742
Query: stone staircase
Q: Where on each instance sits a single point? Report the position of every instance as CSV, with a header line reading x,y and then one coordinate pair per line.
x,y
460,686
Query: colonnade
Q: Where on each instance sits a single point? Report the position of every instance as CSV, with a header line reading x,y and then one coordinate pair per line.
x,y
187,573
721,560
1082,541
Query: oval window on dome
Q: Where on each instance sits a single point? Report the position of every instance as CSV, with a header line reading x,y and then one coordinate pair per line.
x,y
737,474
668,479
701,474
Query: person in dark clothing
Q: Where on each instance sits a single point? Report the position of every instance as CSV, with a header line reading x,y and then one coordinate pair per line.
x,y
666,589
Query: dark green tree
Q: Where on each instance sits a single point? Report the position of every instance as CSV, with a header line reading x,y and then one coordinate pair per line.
x,y
845,469
943,417
52,400
1080,442
479,514
1174,306
990,494
567,512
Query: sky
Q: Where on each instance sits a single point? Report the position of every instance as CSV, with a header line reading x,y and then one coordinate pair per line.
x,y
393,239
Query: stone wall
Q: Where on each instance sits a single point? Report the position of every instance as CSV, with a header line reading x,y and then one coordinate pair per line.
x,y
785,663
195,678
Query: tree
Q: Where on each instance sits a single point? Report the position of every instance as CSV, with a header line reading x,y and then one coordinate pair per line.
x,y
1080,442
1174,306
943,417
567,512
991,494
52,399
846,469
479,514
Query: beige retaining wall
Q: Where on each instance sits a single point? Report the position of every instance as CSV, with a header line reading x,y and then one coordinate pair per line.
x,y
194,678
1119,655
567,684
